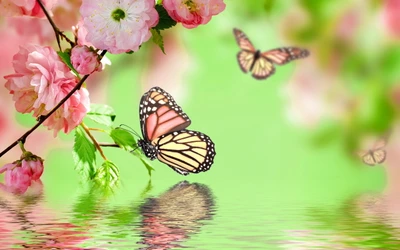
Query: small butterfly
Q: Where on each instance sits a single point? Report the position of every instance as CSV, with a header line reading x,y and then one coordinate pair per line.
x,y
165,137
376,154
261,64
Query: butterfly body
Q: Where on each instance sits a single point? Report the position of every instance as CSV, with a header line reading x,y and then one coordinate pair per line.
x,y
148,149
257,56
165,137
261,64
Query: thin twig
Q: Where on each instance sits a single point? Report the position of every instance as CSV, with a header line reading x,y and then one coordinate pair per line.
x,y
96,129
56,30
44,117
96,144
113,145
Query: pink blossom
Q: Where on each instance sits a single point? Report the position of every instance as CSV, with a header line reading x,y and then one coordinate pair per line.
x,y
192,13
80,33
85,60
41,80
19,174
72,112
32,28
118,26
23,7
392,16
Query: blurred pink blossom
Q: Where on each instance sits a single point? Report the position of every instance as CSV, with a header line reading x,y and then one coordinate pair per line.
x,y
40,81
80,33
23,7
391,14
65,13
20,174
35,29
118,26
194,12
85,60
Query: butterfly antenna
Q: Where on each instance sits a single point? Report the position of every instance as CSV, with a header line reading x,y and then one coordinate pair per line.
x,y
129,129
133,150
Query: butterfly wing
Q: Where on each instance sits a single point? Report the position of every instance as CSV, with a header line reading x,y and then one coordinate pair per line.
x,y
284,55
246,60
262,68
160,115
379,156
243,41
186,151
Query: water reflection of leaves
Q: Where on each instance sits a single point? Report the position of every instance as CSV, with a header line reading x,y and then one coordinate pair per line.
x,y
90,207
362,222
175,215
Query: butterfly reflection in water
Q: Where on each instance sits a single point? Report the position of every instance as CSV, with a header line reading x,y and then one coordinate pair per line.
x,y
261,64
375,154
165,137
175,215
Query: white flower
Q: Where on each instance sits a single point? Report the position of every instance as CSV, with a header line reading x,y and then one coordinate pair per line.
x,y
118,26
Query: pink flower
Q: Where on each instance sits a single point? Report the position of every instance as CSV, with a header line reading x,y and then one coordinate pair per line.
x,y
192,13
85,60
20,174
23,7
41,80
118,26
392,16
72,112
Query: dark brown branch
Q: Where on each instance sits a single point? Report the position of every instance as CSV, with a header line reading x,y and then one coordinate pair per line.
x,y
109,145
56,30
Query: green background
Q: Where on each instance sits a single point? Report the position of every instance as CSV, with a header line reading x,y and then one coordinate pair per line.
x,y
268,177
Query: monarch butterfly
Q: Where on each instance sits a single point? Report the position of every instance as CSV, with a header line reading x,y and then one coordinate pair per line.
x,y
165,137
376,154
261,64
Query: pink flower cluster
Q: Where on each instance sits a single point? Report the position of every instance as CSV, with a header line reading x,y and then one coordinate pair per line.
x,y
392,16
118,25
23,7
20,174
41,80
192,13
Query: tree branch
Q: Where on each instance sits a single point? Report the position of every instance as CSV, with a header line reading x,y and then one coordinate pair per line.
x,y
55,28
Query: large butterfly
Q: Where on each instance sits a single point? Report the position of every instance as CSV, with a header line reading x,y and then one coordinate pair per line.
x,y
261,64
165,137
376,154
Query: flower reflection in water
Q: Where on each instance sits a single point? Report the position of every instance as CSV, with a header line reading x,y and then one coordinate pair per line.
x,y
175,215
26,222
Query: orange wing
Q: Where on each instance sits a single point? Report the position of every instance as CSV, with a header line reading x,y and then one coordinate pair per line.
x,y
243,41
284,55
159,114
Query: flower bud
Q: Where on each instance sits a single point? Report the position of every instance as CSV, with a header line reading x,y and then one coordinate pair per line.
x,y
85,60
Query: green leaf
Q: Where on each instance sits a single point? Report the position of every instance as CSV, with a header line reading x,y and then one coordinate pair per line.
x,y
159,2
66,58
102,114
107,176
144,161
165,21
147,165
84,154
158,39
123,138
